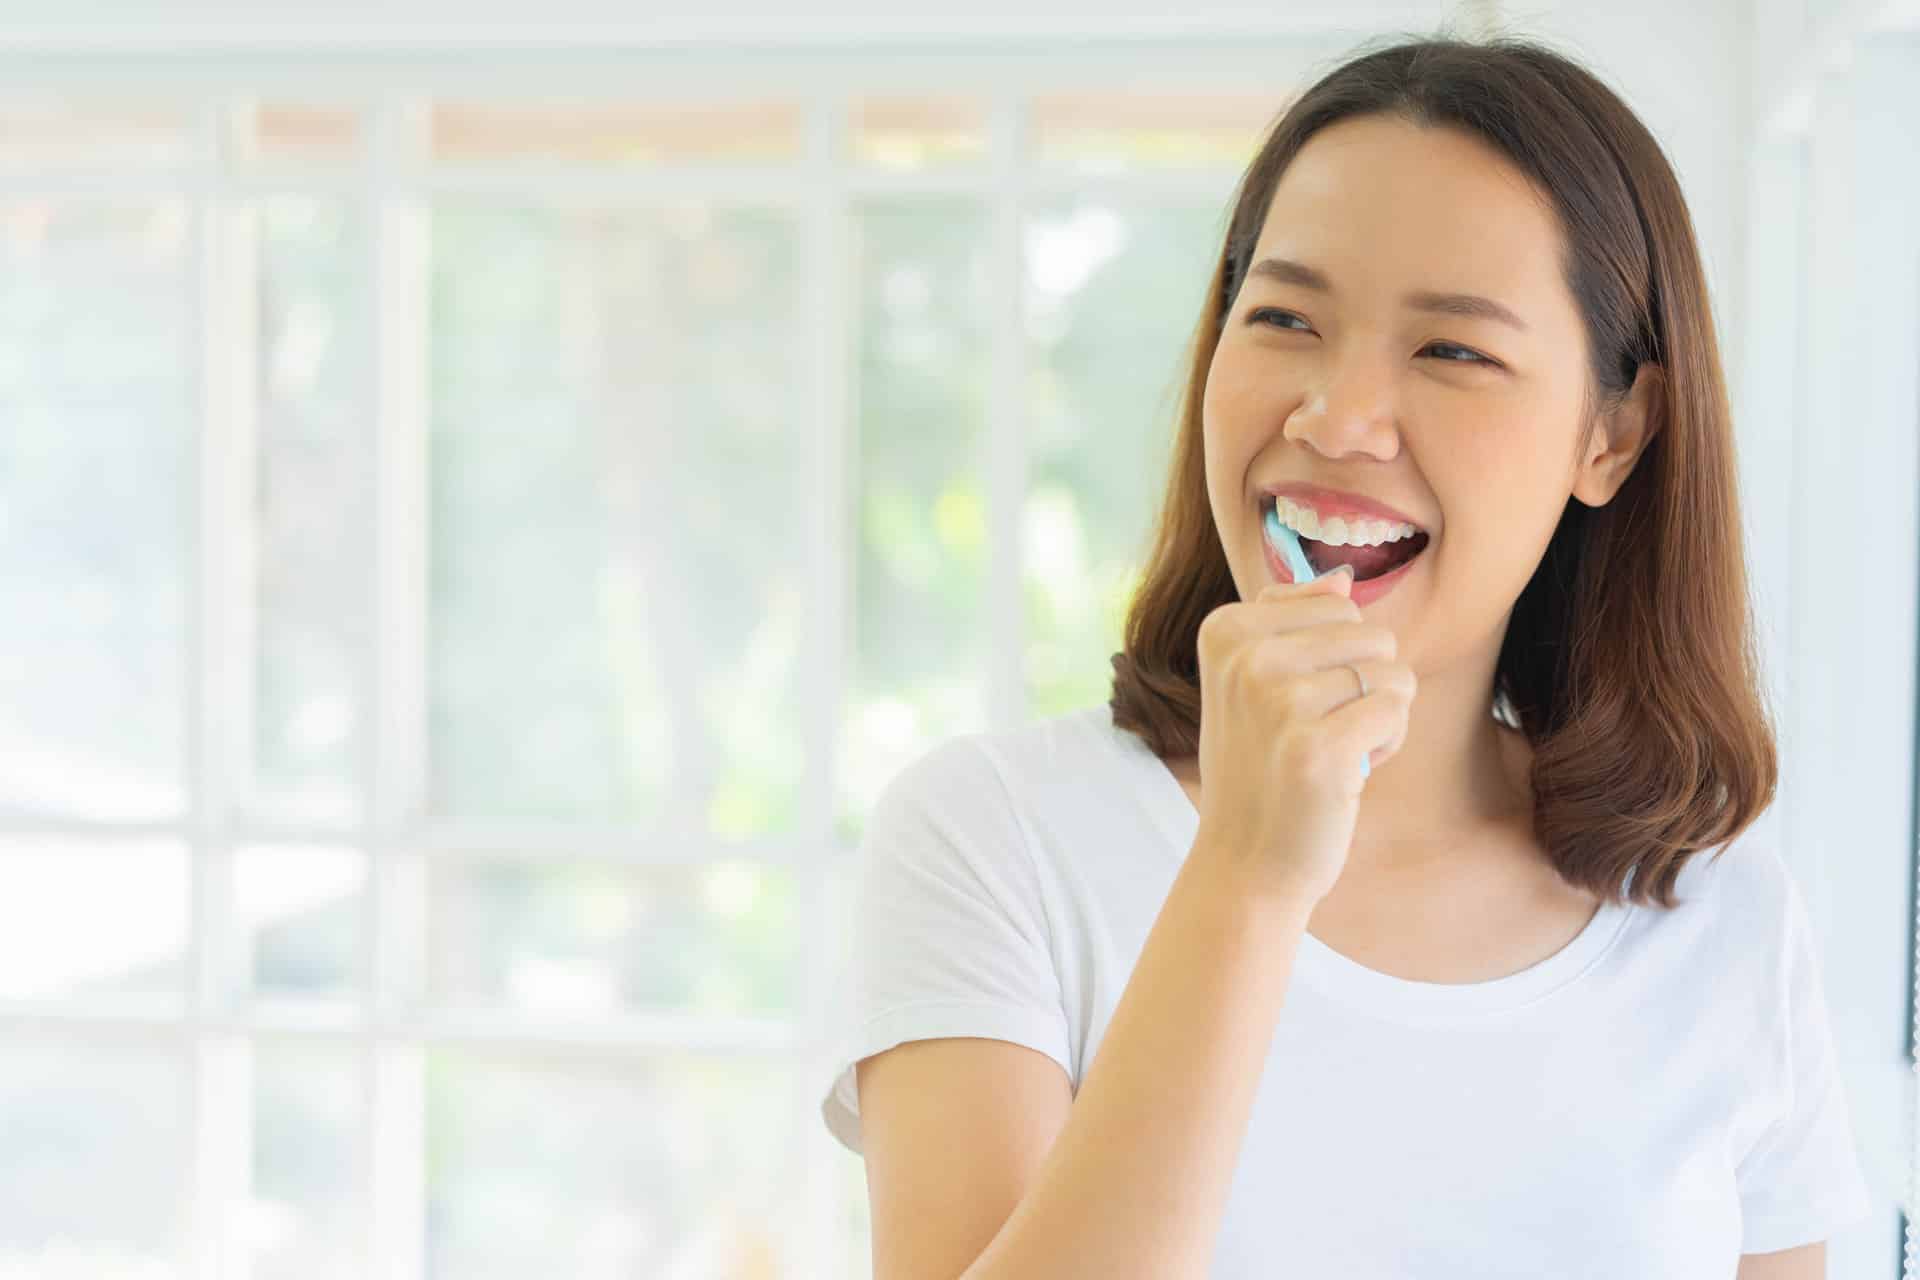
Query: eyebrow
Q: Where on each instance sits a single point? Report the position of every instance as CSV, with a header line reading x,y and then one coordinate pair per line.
x,y
1471,305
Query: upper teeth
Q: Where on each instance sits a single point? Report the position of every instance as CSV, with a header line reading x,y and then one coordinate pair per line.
x,y
1339,531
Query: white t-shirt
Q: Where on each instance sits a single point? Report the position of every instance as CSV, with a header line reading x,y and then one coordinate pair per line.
x,y
1653,1100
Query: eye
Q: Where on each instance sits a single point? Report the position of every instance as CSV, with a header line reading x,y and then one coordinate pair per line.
x,y
1289,315
1473,357
1460,355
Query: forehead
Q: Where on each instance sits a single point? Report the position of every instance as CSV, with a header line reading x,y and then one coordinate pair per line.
x,y
1381,203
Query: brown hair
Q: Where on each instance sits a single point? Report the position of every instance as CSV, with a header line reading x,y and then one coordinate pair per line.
x,y
1629,660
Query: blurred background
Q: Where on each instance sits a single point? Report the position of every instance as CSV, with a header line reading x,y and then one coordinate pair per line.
x,y
487,497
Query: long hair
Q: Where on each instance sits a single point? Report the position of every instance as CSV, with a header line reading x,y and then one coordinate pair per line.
x,y
1629,660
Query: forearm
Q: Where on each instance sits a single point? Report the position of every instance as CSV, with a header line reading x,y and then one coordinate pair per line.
x,y
1136,1183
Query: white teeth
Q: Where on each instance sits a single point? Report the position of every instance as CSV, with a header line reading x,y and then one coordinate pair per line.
x,y
1340,531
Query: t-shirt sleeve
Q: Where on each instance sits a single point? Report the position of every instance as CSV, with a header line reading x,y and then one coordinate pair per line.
x,y
1802,1181
948,932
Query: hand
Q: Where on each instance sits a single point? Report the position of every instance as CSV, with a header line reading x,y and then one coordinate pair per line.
x,y
1284,729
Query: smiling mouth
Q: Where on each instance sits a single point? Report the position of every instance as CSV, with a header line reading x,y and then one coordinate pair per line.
x,y
1367,562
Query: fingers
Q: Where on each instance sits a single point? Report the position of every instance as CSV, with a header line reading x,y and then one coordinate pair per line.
x,y
1307,604
1290,648
1335,584
1272,657
1272,610
1357,725
1307,675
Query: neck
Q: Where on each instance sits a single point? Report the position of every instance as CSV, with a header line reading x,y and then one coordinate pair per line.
x,y
1459,775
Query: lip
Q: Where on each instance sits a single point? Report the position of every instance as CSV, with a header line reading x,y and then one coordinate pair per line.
x,y
1329,503
1362,592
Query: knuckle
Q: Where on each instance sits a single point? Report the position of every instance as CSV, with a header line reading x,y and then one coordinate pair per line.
x,y
1273,656
1209,630
1214,636
1283,698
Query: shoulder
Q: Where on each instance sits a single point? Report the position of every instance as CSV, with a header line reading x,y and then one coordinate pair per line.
x,y
1020,797
1745,881
987,787
1008,764
1741,906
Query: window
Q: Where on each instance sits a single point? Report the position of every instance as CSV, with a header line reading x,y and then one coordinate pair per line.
x,y
480,550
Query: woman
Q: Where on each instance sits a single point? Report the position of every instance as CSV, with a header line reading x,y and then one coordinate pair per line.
x,y
1368,932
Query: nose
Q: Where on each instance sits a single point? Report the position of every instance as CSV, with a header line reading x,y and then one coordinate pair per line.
x,y
1352,410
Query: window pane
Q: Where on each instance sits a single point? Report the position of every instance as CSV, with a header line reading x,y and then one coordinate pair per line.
x,y
1112,295
67,135
618,133
1117,132
301,1222
300,913
618,523
95,921
668,1168
295,133
919,133
92,1171
920,569
591,938
315,514
97,382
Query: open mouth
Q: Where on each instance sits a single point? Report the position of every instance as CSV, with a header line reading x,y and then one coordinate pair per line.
x,y
1367,562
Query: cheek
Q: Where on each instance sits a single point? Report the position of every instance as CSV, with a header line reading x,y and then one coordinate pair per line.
x,y
1231,419
1502,488
1237,395
1507,471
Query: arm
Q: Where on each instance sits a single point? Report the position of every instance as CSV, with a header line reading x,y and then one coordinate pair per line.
x,y
1804,1262
1136,1183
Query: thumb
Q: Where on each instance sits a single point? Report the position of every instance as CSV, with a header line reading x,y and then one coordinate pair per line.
x,y
1338,581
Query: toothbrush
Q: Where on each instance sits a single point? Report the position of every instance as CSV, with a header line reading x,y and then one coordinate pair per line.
x,y
1289,544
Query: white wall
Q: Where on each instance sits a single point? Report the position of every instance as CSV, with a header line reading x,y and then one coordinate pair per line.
x,y
1833,411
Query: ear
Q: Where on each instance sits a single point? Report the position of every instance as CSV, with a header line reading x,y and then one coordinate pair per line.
x,y
1619,438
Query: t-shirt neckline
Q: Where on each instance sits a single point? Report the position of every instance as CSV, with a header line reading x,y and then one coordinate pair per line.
x,y
1354,985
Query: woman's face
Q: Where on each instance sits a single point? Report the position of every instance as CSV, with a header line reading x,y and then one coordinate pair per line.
x,y
1464,422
